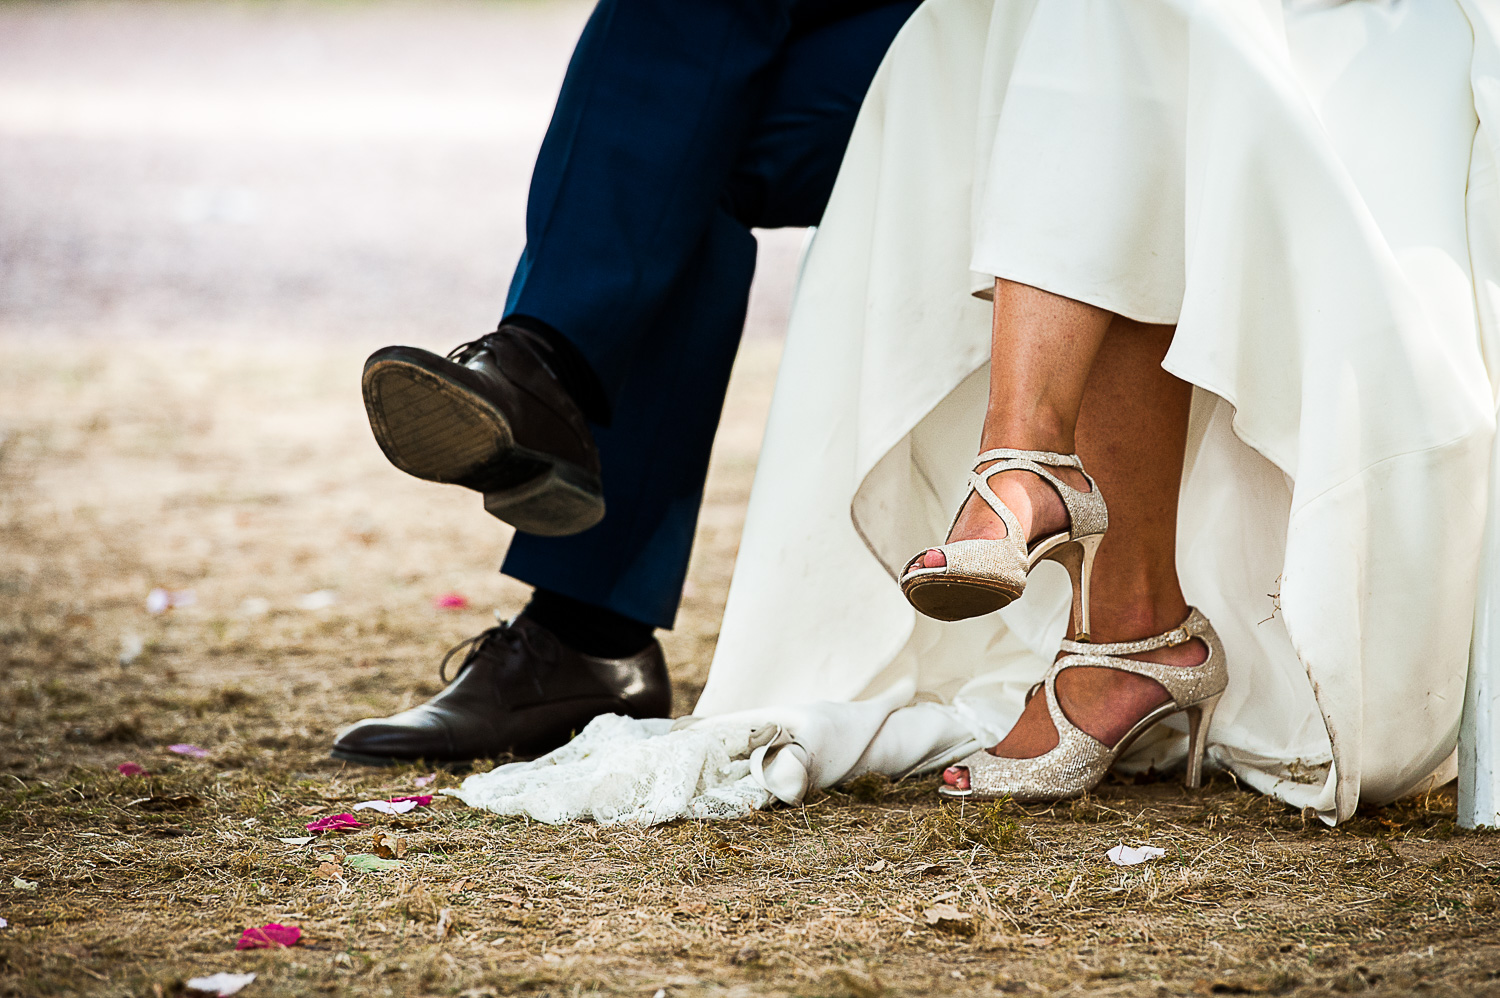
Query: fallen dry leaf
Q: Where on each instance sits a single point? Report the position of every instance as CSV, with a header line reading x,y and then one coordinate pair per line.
x,y
389,846
328,871
941,913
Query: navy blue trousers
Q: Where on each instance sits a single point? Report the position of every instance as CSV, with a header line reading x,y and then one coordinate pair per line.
x,y
681,125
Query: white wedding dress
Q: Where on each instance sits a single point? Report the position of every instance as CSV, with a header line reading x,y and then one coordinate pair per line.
x,y
1309,191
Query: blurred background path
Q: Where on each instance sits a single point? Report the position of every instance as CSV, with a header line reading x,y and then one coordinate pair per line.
x,y
279,169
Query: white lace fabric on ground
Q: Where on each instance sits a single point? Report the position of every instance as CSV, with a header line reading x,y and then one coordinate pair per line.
x,y
621,770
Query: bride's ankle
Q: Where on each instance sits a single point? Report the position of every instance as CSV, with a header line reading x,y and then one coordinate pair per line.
x,y
1137,621
1038,428
1133,619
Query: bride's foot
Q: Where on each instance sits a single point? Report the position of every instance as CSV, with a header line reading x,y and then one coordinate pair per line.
x,y
991,550
1035,502
1103,703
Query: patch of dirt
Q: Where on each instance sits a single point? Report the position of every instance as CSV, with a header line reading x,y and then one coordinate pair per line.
x,y
246,475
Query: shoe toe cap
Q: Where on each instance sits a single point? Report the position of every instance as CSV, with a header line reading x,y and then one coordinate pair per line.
x,y
410,735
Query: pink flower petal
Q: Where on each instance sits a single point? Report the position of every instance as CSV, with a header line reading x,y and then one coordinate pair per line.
x,y
335,823
189,750
451,601
132,769
423,781
269,936
422,799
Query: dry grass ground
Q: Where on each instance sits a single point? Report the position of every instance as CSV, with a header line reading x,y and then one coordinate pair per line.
x,y
245,473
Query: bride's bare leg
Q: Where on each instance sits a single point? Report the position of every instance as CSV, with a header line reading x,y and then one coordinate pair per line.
x,y
1067,376
1042,347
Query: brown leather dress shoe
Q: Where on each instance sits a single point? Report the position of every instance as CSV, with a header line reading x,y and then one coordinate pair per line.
x,y
519,690
491,417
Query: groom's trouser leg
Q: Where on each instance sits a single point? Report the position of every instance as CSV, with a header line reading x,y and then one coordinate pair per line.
x,y
658,103
666,408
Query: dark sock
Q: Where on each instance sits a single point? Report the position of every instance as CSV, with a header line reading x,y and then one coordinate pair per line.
x,y
586,628
568,364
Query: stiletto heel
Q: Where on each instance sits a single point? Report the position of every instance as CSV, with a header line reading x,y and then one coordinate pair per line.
x,y
1200,716
1079,761
1078,559
981,576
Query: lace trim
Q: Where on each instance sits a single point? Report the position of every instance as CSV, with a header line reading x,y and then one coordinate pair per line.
x,y
625,771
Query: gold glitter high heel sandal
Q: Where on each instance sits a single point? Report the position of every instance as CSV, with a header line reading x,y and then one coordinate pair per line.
x,y
1079,761
981,576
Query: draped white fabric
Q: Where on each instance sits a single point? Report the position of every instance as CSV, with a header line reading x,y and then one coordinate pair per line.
x,y
1310,192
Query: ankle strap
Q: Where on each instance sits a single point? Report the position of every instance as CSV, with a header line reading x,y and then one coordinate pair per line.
x,y
1184,632
1037,456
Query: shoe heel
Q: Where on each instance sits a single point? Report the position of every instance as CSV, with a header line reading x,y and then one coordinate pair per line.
x,y
564,499
1200,716
1078,558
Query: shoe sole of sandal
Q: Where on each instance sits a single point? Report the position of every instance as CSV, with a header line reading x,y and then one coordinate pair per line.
x,y
946,598
439,431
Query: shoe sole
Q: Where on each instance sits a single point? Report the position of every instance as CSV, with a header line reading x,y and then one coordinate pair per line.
x,y
389,761
948,598
439,431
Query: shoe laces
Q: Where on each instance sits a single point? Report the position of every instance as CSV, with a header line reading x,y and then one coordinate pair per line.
x,y
465,352
475,646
